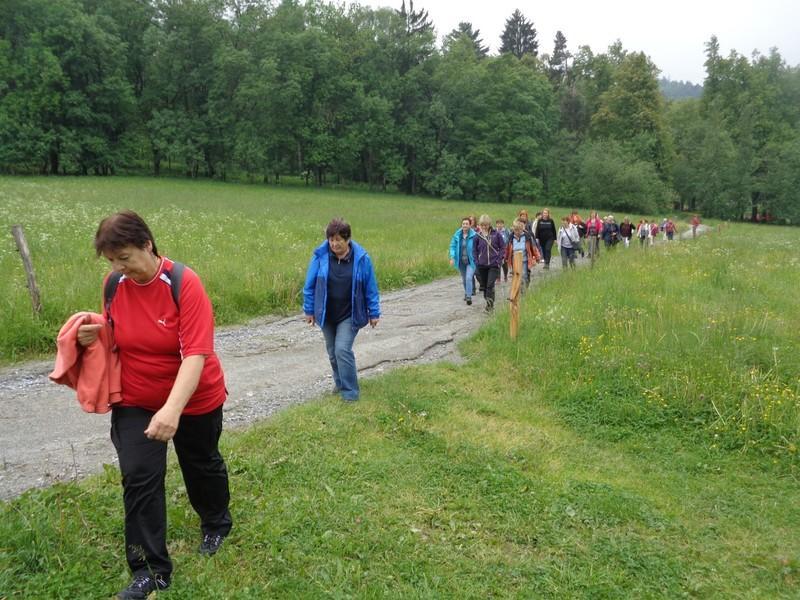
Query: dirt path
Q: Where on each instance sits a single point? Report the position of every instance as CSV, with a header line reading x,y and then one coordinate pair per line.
x,y
269,364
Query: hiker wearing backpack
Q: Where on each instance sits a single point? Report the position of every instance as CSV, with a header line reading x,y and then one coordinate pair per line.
x,y
643,232
568,239
488,251
521,241
669,229
461,257
173,388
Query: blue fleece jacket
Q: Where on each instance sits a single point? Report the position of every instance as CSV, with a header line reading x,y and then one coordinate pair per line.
x,y
366,299
455,247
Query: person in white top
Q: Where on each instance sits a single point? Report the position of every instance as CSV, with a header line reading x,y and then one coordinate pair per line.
x,y
568,240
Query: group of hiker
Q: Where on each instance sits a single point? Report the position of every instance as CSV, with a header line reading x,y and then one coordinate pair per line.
x,y
482,252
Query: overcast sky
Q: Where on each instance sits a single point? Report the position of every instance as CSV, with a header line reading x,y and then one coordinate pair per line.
x,y
672,33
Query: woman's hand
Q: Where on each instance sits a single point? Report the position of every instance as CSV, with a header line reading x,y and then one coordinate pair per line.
x,y
373,322
310,319
88,333
452,262
164,424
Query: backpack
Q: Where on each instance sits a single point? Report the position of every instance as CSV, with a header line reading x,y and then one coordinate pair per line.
x,y
175,276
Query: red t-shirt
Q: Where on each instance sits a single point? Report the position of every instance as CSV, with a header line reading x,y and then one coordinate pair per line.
x,y
153,336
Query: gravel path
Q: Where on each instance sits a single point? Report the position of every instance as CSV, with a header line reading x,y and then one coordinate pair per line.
x,y
269,364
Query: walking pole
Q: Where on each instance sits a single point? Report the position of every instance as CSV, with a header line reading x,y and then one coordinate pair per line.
x,y
516,286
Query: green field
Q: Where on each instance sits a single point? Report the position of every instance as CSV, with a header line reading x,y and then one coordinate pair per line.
x,y
250,243
639,440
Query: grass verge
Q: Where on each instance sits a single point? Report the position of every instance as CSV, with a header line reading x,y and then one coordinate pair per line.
x,y
614,450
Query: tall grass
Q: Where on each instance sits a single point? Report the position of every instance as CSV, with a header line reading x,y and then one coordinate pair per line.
x,y
250,244
612,451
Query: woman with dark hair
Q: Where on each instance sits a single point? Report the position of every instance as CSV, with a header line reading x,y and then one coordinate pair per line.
x,y
546,233
461,257
341,296
173,388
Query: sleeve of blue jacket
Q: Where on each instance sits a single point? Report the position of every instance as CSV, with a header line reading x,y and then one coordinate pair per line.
x,y
308,288
373,296
454,249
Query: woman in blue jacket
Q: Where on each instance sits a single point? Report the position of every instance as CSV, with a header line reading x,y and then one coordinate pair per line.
x,y
461,256
341,296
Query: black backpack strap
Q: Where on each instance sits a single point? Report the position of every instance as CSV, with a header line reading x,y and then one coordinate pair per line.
x,y
108,293
175,277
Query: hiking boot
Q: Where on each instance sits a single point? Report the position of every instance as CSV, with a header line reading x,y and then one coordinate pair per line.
x,y
142,586
210,544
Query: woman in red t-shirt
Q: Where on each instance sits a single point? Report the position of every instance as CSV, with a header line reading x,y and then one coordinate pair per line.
x,y
173,388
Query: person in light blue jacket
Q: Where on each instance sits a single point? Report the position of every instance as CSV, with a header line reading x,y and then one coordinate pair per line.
x,y
341,296
461,256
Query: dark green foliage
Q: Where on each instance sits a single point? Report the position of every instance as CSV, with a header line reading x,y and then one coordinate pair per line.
x,y
679,90
338,94
519,36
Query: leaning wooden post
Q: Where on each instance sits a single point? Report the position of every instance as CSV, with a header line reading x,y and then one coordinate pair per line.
x,y
516,287
22,246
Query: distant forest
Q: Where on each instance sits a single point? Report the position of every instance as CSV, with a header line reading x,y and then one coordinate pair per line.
x,y
352,95
678,90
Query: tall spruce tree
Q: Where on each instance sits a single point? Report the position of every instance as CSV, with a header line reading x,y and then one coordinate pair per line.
x,y
519,36
558,64
464,29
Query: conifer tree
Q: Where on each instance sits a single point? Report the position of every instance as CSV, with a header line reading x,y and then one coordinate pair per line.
x,y
519,36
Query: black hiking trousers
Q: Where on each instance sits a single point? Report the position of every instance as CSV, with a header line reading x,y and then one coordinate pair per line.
x,y
143,463
487,277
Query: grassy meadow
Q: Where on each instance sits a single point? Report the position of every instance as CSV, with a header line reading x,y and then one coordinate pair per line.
x,y
250,243
638,440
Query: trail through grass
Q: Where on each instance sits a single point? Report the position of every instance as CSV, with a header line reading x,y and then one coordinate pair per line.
x,y
639,440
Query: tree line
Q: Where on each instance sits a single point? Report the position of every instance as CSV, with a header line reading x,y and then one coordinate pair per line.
x,y
352,94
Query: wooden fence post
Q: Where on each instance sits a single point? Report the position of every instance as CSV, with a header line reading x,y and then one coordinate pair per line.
x,y
33,288
516,286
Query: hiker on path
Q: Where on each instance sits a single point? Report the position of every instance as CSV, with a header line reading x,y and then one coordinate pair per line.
x,y
669,229
626,231
173,388
521,241
576,220
488,251
594,227
461,257
568,239
546,234
500,225
341,297
643,233
610,232
695,225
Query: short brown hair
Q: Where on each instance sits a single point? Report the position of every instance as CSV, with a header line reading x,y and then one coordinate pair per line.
x,y
338,227
121,229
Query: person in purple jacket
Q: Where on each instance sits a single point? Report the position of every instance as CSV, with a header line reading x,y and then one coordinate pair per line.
x,y
488,250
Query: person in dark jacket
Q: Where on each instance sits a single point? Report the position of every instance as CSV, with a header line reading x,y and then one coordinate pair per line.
x,y
546,233
610,233
626,231
341,296
488,250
